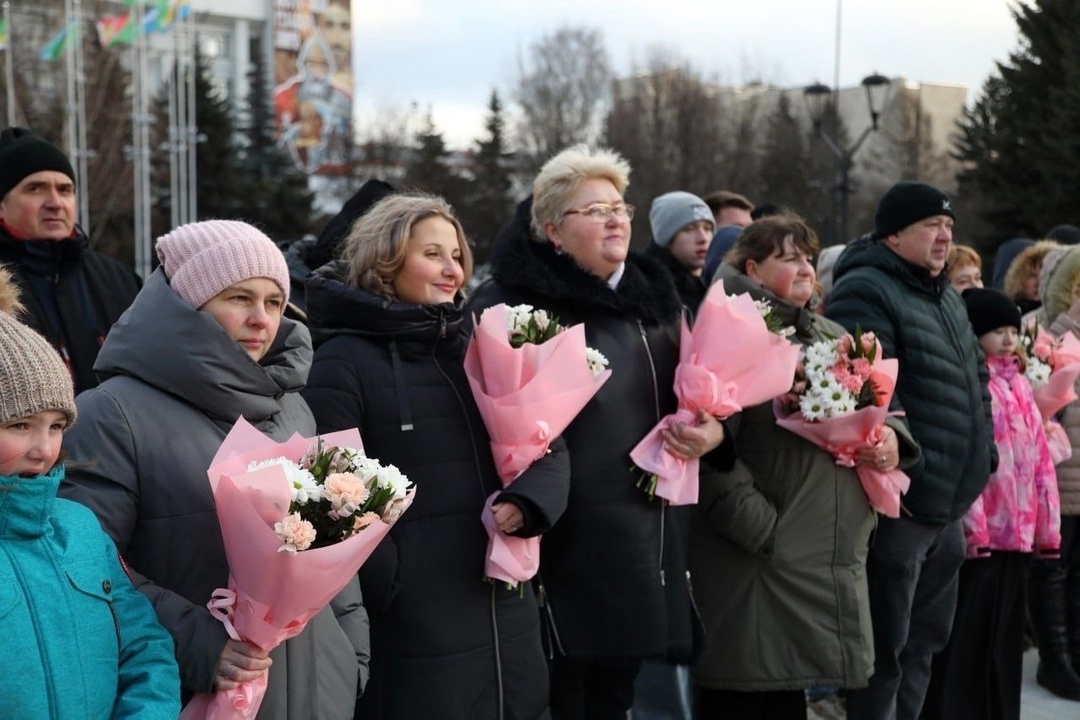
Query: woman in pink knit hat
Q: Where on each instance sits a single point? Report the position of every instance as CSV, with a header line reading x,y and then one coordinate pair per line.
x,y
204,343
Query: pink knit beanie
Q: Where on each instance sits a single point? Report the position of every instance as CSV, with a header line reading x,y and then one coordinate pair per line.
x,y
202,259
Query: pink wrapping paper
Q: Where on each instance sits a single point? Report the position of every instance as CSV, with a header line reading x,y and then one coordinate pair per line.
x,y
842,435
730,361
1058,391
276,593
527,396
1058,442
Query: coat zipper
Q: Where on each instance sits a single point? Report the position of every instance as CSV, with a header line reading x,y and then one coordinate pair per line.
x,y
483,496
656,408
116,626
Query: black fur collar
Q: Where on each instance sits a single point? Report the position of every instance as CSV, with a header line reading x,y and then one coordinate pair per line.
x,y
645,292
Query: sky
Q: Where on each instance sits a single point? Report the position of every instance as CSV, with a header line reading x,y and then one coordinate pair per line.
x,y
448,55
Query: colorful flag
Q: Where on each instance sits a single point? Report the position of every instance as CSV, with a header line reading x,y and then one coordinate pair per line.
x,y
3,34
54,47
115,29
172,11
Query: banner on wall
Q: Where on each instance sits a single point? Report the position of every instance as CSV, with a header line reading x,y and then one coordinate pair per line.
x,y
313,82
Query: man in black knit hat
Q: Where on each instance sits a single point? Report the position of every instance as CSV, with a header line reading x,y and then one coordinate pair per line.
x,y
72,294
895,283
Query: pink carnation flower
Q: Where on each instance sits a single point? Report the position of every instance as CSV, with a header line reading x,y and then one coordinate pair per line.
x,y
295,532
861,367
1043,348
362,521
869,340
345,492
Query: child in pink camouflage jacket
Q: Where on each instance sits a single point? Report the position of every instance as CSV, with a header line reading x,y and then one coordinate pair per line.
x,y
979,673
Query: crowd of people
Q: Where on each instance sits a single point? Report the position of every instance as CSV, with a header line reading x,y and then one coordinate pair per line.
x,y
781,581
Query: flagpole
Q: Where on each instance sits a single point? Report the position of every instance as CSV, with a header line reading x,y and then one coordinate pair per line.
x,y
83,152
142,255
174,76
69,59
179,92
9,67
192,124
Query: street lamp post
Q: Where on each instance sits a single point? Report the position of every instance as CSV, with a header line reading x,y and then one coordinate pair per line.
x,y
816,97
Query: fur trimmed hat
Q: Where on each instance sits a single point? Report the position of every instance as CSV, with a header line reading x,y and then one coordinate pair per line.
x,y
23,153
990,309
201,259
906,203
33,377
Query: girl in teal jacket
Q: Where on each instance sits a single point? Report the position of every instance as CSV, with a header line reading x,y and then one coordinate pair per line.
x,y
78,640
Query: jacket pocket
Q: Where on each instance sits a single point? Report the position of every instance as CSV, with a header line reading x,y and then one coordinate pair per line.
x,y
100,619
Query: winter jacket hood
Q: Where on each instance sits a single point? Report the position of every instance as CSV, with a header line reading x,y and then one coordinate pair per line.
x,y
166,344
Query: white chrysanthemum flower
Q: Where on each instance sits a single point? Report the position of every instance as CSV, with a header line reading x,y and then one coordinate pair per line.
x,y
812,406
302,486
390,476
823,353
366,468
764,307
596,360
1038,373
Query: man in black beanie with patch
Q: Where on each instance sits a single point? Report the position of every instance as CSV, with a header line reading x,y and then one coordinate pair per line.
x,y
895,284
72,294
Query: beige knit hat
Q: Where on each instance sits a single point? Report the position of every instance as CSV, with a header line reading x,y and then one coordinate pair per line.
x,y
33,378
202,259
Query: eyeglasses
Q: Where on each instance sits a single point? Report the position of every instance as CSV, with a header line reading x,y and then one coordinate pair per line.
x,y
601,213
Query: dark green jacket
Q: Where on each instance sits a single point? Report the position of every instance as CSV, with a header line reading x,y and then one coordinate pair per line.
x,y
923,323
778,549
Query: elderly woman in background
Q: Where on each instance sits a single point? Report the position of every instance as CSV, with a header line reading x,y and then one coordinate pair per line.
x,y
613,570
965,268
778,543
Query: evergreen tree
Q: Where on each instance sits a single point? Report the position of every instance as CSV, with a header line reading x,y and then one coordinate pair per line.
x,y
1019,142
784,165
489,203
280,202
429,170
222,189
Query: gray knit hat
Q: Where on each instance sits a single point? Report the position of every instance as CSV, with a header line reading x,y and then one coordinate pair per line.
x,y
33,378
673,211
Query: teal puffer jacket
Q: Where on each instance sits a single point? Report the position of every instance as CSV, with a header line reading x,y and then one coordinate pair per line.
x,y
942,386
78,640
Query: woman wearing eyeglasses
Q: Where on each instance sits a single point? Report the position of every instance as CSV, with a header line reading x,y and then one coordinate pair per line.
x,y
613,572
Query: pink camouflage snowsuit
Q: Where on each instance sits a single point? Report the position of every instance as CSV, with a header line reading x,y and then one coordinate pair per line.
x,y
1019,510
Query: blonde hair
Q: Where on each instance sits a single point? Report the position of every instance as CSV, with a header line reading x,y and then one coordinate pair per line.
x,y
962,256
375,249
559,179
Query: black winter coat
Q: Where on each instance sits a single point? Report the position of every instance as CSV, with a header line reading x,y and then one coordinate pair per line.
x,y
614,569
922,322
72,294
444,643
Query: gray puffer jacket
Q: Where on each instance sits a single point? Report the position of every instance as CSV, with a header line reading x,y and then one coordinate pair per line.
x,y
921,321
173,385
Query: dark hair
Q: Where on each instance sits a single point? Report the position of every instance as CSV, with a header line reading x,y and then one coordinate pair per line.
x,y
725,198
764,238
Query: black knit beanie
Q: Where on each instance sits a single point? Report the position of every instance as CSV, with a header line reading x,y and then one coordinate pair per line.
x,y
990,309
23,153
906,203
